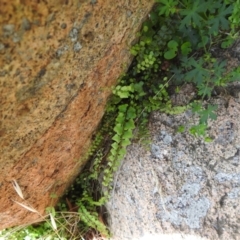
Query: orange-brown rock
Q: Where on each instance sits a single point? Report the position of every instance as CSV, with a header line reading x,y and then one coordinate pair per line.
x,y
58,61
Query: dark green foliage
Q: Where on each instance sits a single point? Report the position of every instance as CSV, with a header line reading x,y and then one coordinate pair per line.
x,y
201,24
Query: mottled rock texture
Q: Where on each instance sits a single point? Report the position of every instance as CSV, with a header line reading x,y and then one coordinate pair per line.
x,y
181,187
58,61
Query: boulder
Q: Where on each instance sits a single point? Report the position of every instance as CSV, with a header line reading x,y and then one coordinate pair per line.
x,y
181,187
59,60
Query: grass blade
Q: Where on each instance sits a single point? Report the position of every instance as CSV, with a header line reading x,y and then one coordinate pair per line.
x,y
17,189
26,207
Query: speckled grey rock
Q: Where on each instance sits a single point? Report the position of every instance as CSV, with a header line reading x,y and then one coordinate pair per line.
x,y
181,187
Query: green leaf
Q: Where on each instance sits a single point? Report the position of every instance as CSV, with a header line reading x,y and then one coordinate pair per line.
x,y
122,152
172,49
198,130
138,87
198,74
193,14
113,151
204,41
220,21
104,183
204,90
133,51
123,91
186,48
115,168
173,45
112,157
120,118
170,54
167,7
227,43
127,134
110,164
234,75
208,113
129,125
122,94
196,107
125,142
123,107
131,113
118,128
115,145
219,68
116,138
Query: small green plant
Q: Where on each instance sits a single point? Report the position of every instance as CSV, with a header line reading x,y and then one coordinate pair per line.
x,y
202,24
172,49
123,132
91,219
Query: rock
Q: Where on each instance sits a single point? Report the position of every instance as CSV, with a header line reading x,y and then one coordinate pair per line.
x,y
58,62
182,187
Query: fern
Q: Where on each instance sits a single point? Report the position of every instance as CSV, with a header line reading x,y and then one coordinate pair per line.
x,y
91,219
122,138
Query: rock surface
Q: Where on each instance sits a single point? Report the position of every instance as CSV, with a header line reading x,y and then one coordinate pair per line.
x,y
181,187
58,62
